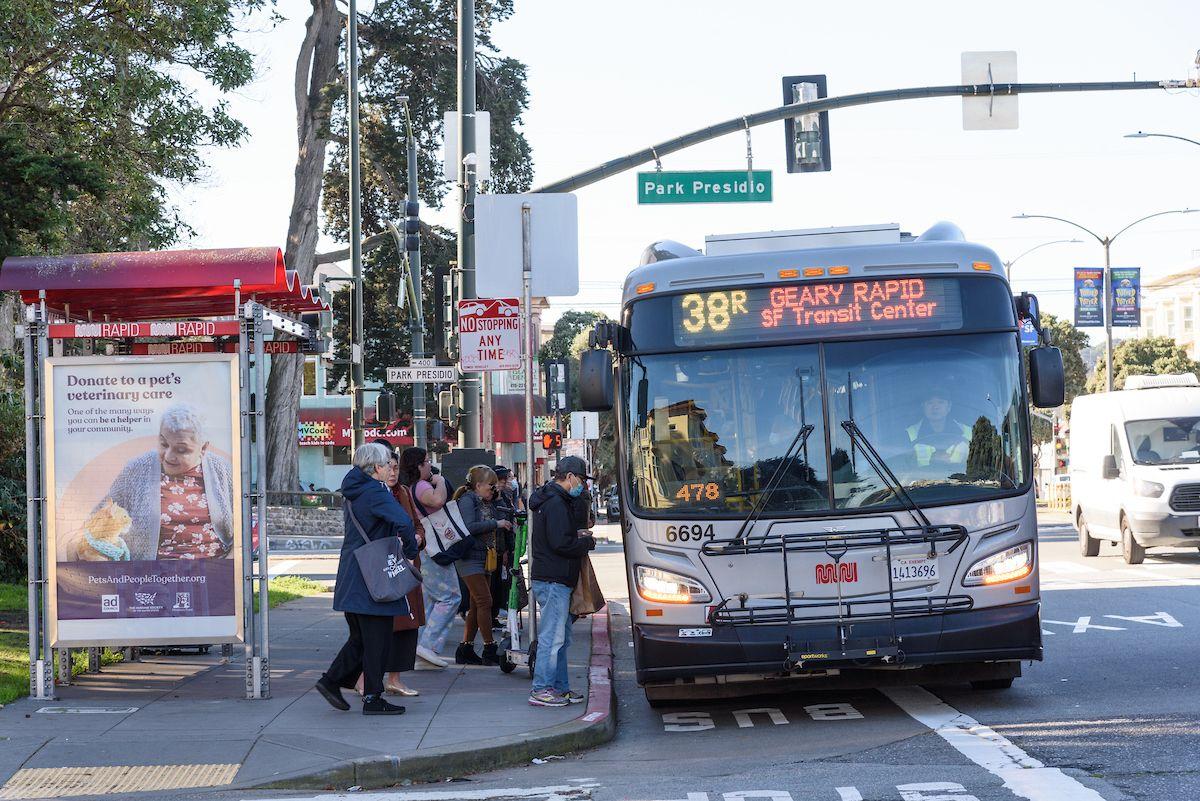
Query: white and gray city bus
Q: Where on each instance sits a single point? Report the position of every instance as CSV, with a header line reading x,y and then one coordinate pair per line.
x,y
824,461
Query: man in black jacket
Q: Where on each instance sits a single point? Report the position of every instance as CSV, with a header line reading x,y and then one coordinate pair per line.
x,y
558,547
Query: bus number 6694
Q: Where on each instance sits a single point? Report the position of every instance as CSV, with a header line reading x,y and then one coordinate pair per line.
x,y
686,533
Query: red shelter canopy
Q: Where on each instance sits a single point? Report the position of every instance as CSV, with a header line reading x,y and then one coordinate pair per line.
x,y
159,284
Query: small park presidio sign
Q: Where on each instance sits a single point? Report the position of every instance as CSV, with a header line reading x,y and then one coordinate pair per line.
x,y
710,186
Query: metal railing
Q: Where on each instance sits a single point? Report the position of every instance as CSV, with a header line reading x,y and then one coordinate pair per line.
x,y
319,499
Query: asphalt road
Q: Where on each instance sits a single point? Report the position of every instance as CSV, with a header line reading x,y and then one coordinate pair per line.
x,y
1112,713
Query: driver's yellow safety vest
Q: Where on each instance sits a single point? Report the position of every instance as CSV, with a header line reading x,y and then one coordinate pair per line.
x,y
924,453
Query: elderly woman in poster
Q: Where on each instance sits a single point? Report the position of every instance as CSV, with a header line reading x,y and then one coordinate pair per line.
x,y
171,503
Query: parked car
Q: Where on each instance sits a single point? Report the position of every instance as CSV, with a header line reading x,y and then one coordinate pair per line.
x,y
614,505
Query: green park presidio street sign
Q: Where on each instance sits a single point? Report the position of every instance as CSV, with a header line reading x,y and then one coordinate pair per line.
x,y
709,186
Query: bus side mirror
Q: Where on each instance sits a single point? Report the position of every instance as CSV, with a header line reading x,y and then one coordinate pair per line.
x,y
1047,382
1109,469
596,381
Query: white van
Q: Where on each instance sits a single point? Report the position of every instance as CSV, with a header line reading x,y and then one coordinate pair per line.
x,y
1135,465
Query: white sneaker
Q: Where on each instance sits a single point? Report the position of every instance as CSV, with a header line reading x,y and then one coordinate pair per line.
x,y
428,660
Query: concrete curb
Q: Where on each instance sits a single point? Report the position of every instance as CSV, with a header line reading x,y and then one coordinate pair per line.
x,y
597,725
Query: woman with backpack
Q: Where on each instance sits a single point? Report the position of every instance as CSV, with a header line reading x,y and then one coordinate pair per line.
x,y
440,585
476,501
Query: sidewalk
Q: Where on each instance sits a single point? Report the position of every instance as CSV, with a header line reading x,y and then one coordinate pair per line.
x,y
181,721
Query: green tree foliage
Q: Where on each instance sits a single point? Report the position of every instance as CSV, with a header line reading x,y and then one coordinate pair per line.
x,y
12,468
96,120
1072,342
1148,356
566,329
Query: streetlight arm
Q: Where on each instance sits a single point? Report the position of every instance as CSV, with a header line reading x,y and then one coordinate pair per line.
x,y
1141,135
1037,247
1149,217
1087,231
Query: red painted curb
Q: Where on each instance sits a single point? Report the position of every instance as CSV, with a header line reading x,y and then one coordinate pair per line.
x,y
600,689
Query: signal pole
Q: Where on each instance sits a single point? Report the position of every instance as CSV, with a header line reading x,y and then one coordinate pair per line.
x,y
469,429
357,378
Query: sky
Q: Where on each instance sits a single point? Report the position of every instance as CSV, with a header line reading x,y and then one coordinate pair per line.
x,y
608,79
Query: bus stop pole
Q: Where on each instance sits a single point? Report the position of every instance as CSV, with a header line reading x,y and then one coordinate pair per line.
x,y
262,666
527,309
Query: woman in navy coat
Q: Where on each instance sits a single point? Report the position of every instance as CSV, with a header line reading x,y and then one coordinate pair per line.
x,y
370,622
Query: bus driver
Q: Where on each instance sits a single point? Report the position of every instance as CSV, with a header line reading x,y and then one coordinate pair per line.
x,y
938,438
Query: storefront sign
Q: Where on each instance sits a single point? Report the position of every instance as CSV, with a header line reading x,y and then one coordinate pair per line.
x,y
331,426
489,334
1126,306
1089,281
144,509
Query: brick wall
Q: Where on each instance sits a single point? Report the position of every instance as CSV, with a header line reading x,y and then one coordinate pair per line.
x,y
303,528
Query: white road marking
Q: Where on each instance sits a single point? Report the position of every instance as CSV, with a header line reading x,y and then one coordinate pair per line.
x,y
553,793
1025,776
1083,624
848,794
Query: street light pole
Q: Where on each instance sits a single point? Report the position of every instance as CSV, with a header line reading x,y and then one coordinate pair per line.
x,y
469,428
1009,264
416,287
357,377
1106,241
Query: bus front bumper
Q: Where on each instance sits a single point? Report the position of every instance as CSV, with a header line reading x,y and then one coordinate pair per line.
x,y
1006,633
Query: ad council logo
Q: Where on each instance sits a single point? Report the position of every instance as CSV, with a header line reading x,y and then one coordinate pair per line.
x,y
110,603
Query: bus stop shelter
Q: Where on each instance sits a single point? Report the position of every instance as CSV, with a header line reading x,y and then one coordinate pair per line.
x,y
128,355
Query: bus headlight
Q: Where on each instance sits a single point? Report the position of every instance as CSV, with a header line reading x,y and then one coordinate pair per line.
x,y
1148,489
1008,565
663,587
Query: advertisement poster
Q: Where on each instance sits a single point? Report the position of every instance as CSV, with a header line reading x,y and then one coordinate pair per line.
x,y
489,334
1089,281
144,514
1127,285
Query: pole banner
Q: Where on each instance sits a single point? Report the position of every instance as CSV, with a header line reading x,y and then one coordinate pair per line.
x,y
1088,311
1126,296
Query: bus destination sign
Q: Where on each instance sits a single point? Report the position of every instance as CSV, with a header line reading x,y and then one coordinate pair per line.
x,y
892,305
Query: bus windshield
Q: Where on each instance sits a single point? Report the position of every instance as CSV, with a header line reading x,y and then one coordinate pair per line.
x,y
707,430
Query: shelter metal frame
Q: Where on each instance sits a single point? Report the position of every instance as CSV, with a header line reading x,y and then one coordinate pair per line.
x,y
251,325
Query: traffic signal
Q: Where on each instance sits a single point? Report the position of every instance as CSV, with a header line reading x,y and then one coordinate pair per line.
x,y
806,136
385,407
551,440
412,226
1061,449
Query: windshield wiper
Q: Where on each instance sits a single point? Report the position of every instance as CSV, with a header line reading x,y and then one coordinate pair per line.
x,y
857,437
789,456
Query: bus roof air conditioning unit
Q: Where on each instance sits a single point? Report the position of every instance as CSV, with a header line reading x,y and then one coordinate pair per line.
x,y
1155,381
802,239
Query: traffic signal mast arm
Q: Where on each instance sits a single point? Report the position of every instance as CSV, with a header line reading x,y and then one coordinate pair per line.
x,y
792,110
739,124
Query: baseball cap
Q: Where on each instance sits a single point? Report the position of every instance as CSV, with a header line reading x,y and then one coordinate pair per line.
x,y
501,471
573,464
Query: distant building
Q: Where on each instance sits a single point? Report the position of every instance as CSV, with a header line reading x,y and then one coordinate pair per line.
x,y
1170,307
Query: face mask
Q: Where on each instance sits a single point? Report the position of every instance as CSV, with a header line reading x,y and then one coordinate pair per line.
x,y
512,485
576,490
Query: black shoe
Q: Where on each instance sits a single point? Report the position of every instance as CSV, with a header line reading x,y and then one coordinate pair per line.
x,y
333,695
490,657
465,655
376,705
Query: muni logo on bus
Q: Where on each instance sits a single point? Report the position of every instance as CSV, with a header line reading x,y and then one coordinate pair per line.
x,y
834,573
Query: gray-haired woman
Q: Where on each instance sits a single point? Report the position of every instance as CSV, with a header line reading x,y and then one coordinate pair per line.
x,y
366,650
179,497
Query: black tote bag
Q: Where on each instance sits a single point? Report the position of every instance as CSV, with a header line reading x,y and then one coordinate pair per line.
x,y
389,576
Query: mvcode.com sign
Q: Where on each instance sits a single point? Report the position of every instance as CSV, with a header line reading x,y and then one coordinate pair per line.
x,y
489,334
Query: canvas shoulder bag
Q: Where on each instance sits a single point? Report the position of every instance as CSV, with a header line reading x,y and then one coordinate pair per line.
x,y
388,575
446,537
